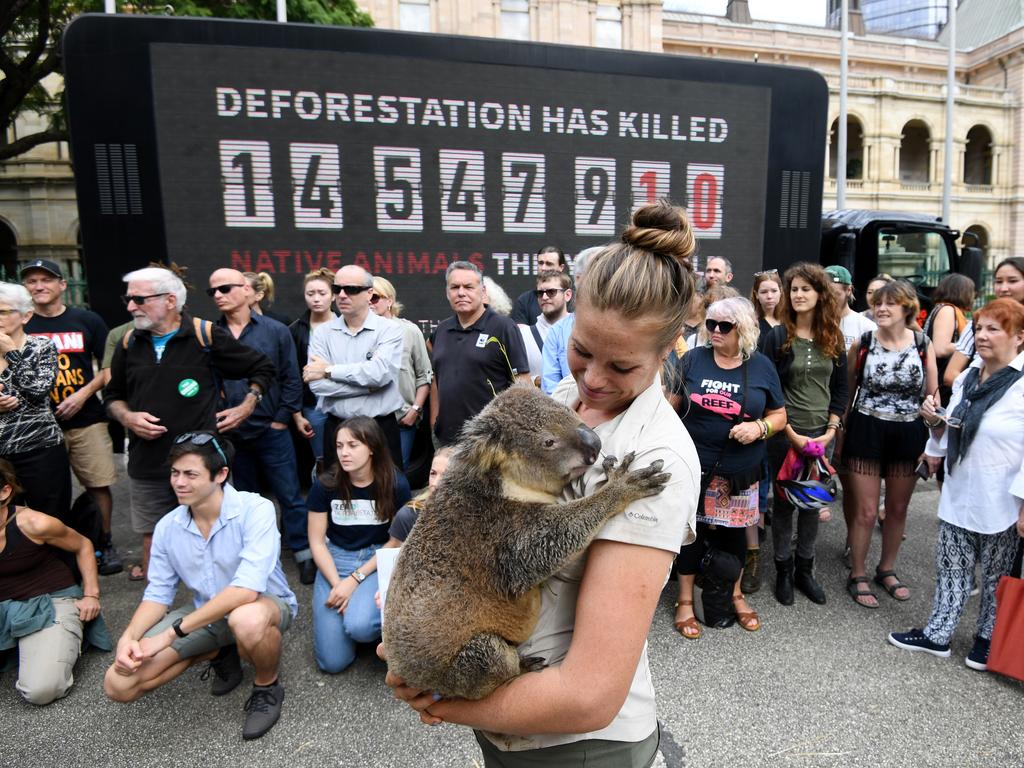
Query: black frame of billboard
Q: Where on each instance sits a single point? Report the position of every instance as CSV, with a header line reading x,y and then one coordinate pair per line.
x,y
110,102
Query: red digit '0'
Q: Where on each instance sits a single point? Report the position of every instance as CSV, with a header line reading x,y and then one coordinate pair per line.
x,y
705,201
649,179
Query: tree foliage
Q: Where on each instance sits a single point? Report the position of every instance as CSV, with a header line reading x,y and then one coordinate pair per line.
x,y
30,33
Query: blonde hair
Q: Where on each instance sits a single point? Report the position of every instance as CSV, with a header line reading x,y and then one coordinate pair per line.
x,y
739,311
323,274
648,274
420,499
262,282
383,287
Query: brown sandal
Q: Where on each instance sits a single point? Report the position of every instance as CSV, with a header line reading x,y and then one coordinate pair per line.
x,y
688,628
749,620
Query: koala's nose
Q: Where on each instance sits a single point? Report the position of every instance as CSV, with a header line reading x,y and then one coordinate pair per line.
x,y
591,443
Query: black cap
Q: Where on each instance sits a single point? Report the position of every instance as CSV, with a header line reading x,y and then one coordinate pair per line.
x,y
44,264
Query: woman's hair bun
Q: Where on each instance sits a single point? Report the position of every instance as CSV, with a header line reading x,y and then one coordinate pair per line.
x,y
661,228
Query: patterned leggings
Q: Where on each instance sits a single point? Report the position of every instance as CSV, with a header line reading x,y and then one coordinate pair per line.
x,y
956,552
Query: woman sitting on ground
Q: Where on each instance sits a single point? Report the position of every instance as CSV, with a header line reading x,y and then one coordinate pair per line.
x,y
981,508
351,507
42,608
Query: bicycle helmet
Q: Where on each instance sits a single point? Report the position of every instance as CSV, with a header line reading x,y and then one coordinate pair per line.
x,y
823,472
807,494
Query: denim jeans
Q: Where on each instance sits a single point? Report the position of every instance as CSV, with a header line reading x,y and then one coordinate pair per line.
x,y
335,634
316,420
408,435
272,457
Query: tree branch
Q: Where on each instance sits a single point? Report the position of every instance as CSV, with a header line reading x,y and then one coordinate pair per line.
x,y
25,143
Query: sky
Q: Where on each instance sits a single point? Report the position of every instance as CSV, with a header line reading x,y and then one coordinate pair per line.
x,y
794,11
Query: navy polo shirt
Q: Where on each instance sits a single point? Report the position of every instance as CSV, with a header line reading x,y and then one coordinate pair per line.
x,y
470,368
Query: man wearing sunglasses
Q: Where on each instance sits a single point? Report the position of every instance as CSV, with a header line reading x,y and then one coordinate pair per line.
x,y
527,308
354,361
164,381
554,292
263,445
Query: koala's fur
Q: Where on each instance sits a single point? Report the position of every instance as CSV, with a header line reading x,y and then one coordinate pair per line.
x,y
465,591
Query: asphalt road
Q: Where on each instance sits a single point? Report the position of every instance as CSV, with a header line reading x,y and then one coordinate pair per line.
x,y
817,686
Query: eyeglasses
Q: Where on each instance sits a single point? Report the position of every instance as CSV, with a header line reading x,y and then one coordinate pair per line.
x,y
951,421
350,290
201,438
547,293
722,326
139,300
225,289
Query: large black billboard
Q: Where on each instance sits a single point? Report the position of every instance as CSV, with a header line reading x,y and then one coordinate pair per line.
x,y
283,148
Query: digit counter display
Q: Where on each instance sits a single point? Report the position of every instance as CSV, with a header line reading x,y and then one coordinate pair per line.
x,y
282,148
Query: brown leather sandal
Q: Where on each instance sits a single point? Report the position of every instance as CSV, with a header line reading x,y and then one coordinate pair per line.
x,y
749,620
688,628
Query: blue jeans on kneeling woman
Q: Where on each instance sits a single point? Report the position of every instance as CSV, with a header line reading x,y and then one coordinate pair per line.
x,y
335,634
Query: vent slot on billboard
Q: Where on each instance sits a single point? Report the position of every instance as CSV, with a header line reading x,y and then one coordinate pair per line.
x,y
795,197
117,177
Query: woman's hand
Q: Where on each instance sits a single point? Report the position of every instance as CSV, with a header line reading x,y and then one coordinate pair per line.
x,y
933,462
341,593
799,442
928,406
746,432
418,700
8,403
88,608
6,344
824,440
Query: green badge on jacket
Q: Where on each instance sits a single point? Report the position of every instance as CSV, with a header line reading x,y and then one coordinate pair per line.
x,y
188,387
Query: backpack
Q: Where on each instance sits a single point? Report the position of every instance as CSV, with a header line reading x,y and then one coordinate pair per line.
x,y
920,341
203,329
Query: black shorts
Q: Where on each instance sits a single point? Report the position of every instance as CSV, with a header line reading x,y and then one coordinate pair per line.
x,y
874,446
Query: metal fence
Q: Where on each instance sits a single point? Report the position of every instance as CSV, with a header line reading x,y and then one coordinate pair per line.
x,y
76,295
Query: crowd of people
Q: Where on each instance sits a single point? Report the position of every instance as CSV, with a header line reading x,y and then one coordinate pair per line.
x,y
759,408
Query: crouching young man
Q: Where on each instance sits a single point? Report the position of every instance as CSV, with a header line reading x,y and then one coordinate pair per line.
x,y
223,545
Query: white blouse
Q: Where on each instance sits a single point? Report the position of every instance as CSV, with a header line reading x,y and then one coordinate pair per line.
x,y
985,490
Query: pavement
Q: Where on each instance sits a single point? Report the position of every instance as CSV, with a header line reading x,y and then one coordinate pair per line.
x,y
816,686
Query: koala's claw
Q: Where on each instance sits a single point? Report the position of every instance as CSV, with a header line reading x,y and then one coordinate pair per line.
x,y
608,464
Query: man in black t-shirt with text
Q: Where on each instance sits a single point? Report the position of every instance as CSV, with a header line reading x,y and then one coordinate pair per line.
x,y
79,336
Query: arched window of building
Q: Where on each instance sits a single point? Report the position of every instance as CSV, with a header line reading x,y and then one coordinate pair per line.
x,y
8,253
978,156
915,153
854,149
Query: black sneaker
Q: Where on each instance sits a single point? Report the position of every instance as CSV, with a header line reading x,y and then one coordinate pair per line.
x,y
914,640
226,669
307,571
978,657
108,561
264,708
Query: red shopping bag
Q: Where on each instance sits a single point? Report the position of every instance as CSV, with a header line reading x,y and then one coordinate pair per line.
x,y
1006,654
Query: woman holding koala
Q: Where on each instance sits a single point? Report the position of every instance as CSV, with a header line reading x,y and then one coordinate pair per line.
x,y
351,507
593,701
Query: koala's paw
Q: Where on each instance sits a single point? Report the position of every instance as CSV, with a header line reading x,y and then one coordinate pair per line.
x,y
640,483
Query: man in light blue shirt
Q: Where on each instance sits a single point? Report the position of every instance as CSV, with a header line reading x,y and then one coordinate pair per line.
x,y
556,345
224,545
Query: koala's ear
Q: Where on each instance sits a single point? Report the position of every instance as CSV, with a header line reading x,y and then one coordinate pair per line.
x,y
479,447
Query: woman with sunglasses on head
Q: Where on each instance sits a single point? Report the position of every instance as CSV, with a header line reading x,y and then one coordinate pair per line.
x,y
416,373
594,699
892,369
262,300
351,507
809,353
30,437
316,291
734,404
1007,283
980,438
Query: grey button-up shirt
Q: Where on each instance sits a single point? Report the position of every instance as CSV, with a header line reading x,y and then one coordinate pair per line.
x,y
364,367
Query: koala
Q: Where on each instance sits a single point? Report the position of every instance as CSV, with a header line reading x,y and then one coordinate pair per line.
x,y
466,588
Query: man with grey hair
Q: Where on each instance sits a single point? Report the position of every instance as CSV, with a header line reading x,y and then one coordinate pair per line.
x,y
164,383
354,361
477,353
556,364
718,271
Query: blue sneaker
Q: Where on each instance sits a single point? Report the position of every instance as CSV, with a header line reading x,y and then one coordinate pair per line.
x,y
914,640
978,657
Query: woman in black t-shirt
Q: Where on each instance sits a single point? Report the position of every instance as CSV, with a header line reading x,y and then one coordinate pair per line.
x,y
733,404
350,509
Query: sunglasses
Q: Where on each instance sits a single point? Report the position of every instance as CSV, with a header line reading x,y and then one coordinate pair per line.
x,y
375,297
139,300
547,293
350,290
201,438
722,326
225,289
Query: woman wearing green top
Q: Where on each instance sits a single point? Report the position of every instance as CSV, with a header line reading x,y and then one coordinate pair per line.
x,y
810,355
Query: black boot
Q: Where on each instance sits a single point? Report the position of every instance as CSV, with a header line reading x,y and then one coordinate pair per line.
x,y
806,582
784,581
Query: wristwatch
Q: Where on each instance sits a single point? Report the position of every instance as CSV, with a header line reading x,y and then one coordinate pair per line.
x,y
257,394
417,408
176,626
359,576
